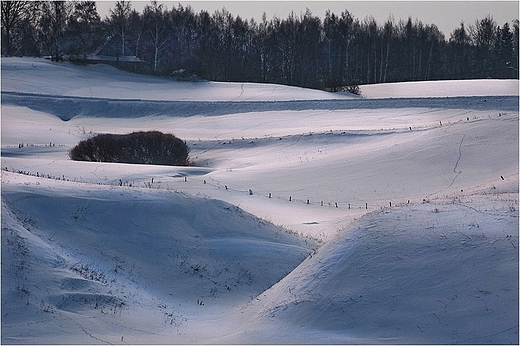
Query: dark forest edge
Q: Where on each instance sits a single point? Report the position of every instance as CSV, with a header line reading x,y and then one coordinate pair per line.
x,y
302,50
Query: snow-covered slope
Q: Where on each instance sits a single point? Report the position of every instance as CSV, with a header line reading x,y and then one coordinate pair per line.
x,y
422,274
76,249
374,220
453,88
103,81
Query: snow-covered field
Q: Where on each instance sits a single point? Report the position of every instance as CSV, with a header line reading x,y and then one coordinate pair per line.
x,y
305,217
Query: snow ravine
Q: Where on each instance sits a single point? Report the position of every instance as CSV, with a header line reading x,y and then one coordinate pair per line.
x,y
305,217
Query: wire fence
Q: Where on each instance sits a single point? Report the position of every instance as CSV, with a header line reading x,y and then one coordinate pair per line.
x,y
179,185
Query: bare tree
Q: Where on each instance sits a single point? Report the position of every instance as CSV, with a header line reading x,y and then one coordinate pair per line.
x,y
84,27
119,18
52,26
155,25
483,34
12,16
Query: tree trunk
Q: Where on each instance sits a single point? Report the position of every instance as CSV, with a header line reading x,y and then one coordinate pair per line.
x,y
123,47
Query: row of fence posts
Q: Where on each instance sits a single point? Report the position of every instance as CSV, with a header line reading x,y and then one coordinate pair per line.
x,y
250,192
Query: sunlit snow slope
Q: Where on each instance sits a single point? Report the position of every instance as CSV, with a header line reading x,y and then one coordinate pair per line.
x,y
305,216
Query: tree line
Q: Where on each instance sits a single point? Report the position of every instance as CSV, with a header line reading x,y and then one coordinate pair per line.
x,y
301,50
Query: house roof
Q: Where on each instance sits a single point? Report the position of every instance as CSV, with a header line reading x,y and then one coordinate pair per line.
x,y
110,50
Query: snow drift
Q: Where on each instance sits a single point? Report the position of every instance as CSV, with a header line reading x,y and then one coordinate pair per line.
x,y
307,217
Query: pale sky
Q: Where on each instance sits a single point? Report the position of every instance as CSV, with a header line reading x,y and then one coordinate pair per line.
x,y
447,15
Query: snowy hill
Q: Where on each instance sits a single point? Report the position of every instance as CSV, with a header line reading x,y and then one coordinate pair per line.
x,y
419,261
103,81
305,217
101,252
454,88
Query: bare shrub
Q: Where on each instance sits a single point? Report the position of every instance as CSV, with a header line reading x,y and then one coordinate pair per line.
x,y
152,147
353,89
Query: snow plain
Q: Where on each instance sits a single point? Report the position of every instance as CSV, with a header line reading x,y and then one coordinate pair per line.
x,y
305,217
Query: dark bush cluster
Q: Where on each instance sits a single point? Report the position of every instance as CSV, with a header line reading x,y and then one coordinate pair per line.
x,y
152,147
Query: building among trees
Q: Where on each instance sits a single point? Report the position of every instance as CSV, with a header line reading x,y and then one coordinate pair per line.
x,y
109,53
301,50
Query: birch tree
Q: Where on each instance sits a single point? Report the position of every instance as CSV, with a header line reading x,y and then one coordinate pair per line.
x,y
119,20
155,25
